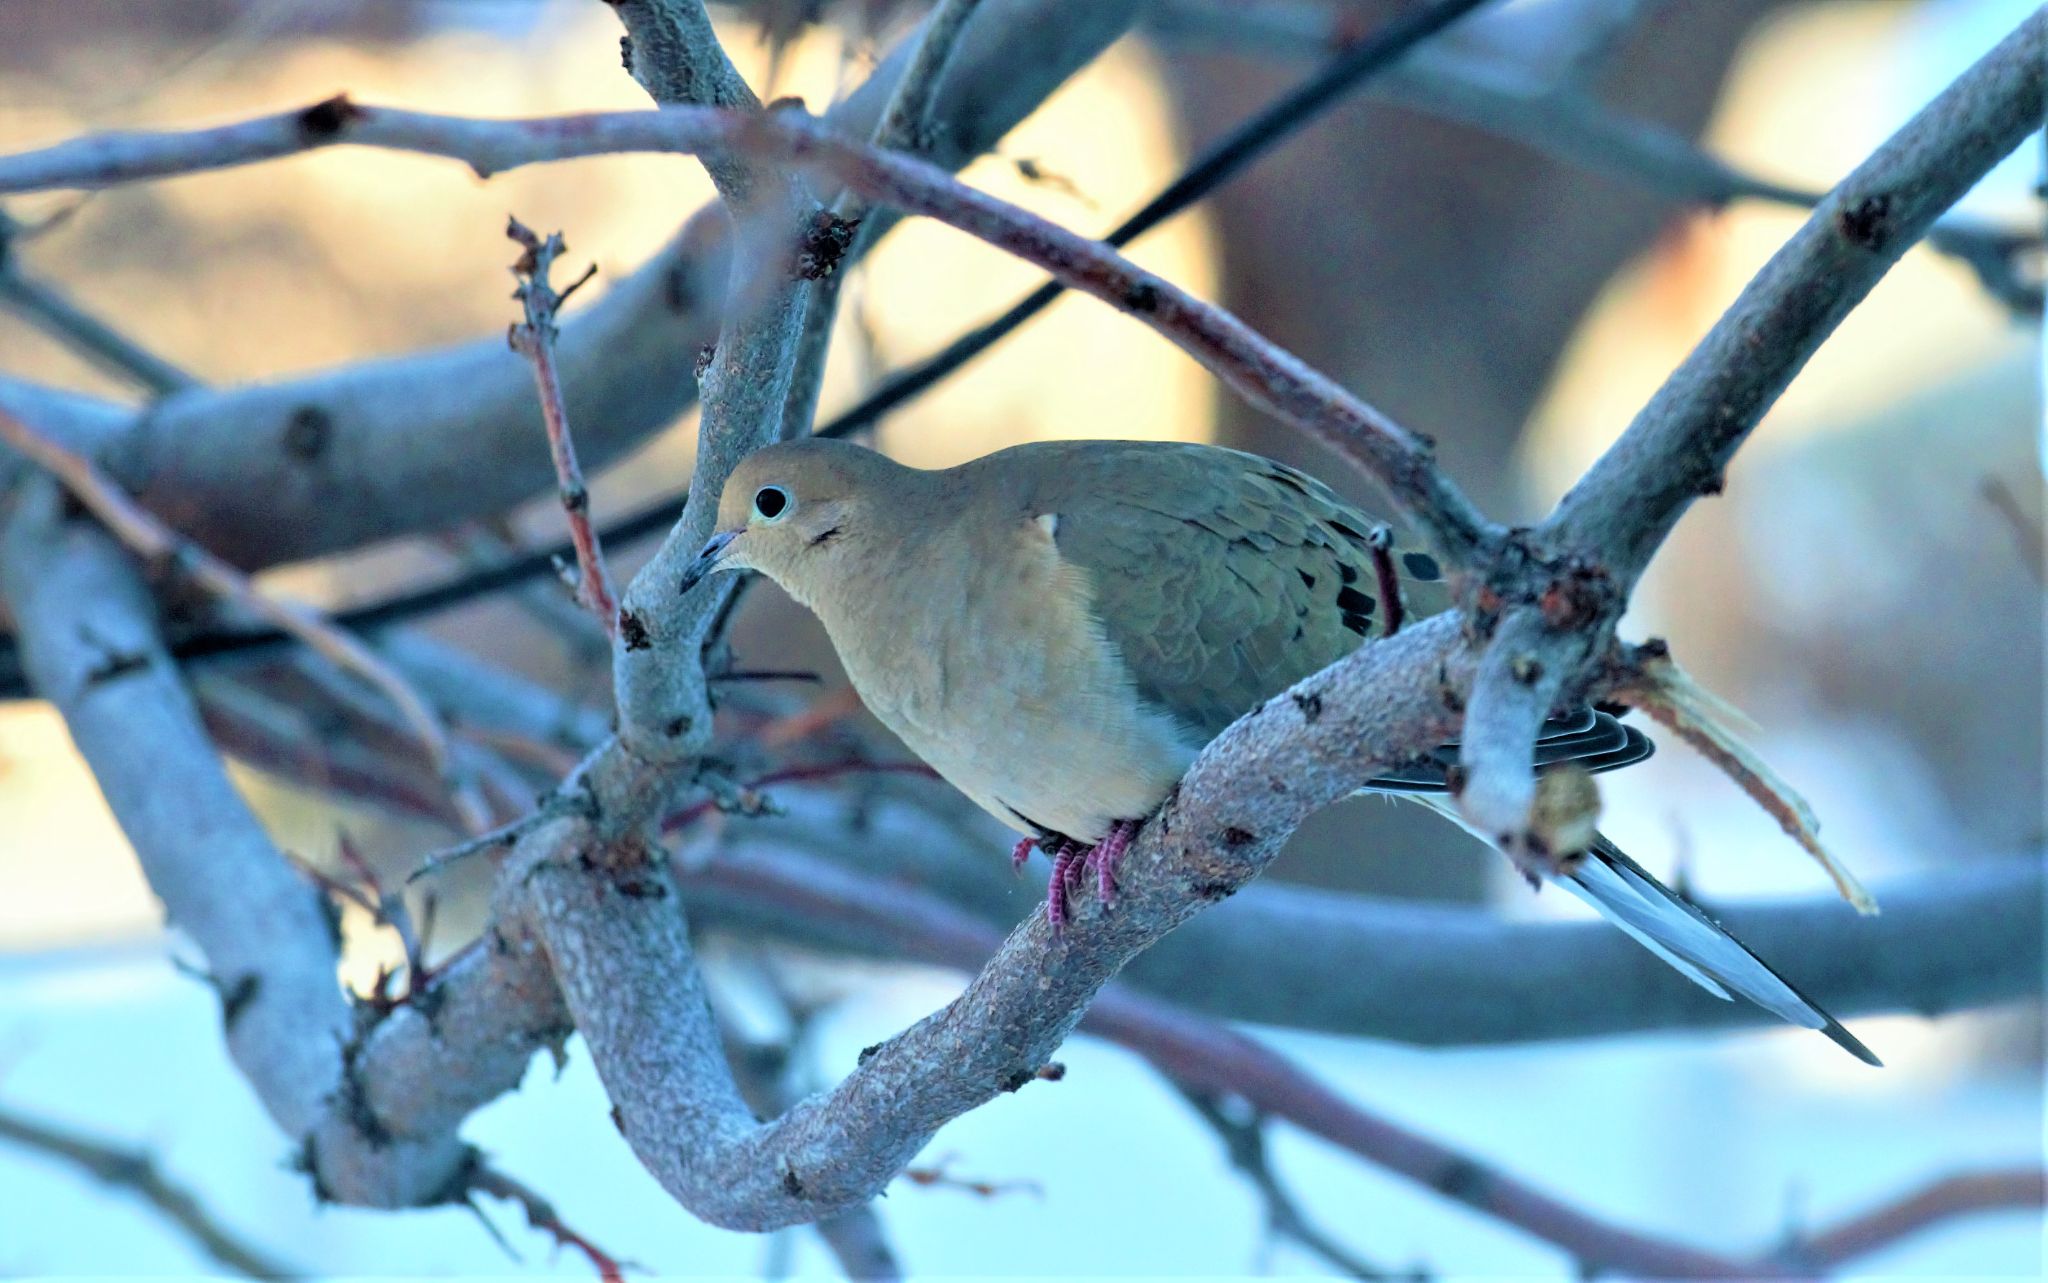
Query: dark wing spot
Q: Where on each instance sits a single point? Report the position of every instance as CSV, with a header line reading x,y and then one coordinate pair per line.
x,y
1358,624
1307,579
1420,565
1353,602
1355,536
1298,633
1349,574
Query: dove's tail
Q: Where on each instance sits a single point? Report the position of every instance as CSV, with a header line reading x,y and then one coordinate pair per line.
x,y
1676,930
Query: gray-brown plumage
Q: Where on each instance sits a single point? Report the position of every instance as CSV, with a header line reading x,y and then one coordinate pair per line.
x,y
1059,628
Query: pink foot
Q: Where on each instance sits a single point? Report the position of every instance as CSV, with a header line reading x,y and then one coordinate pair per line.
x,y
1105,855
1065,860
1021,852
1071,862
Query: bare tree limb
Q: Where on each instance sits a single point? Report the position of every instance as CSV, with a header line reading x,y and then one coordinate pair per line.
x,y
93,650
2016,1189
1207,1058
1557,116
1442,976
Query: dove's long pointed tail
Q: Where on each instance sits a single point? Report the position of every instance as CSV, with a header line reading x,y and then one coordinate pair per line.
x,y
1679,932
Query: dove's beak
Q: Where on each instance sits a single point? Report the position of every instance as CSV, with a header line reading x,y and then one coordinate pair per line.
x,y
707,560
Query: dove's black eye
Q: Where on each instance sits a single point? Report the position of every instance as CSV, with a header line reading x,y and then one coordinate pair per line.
x,y
770,502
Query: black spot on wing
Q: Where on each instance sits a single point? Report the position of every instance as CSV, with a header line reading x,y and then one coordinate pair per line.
x,y
1420,565
1307,580
1353,602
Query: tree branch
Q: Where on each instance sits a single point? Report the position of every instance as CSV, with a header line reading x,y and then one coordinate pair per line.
x,y
1560,593
1261,372
534,339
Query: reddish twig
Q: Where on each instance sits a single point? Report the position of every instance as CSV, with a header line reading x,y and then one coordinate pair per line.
x,y
2018,1189
541,1215
1649,679
938,1176
534,339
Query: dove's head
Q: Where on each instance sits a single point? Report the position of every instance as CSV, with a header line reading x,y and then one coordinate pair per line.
x,y
793,511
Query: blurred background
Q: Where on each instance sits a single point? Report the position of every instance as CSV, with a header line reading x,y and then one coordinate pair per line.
x,y
1515,306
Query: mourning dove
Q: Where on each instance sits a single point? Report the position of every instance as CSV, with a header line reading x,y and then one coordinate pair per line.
x,y
1059,628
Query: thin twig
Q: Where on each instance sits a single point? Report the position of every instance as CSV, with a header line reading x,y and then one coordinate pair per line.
x,y
1244,1140
143,532
938,1174
1653,682
2018,1189
541,1215
534,339
137,1171
745,798
2026,530
53,311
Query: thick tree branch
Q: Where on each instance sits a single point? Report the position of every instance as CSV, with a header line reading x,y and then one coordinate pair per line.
x,y
1208,1058
613,926
1441,976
